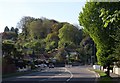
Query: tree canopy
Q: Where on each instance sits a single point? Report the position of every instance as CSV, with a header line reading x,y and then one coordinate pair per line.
x,y
66,35
94,25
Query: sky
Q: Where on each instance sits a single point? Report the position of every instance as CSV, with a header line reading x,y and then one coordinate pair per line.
x,y
11,11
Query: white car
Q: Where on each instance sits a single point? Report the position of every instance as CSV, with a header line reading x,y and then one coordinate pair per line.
x,y
42,66
36,66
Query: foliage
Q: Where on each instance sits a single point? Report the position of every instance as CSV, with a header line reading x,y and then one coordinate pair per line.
x,y
12,29
94,18
41,36
111,18
7,48
10,53
61,55
86,49
66,35
23,24
94,26
51,41
6,29
10,34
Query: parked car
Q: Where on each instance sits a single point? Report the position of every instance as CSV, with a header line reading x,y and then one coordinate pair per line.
x,y
51,65
42,66
36,66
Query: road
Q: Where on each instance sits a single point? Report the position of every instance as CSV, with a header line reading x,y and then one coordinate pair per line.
x,y
56,75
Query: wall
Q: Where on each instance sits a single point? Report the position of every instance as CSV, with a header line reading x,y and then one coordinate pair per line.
x,y
116,70
96,67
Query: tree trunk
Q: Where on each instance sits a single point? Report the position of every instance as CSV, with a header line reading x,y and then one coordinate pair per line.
x,y
108,70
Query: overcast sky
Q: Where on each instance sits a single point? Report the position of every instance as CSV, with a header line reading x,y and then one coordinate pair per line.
x,y
11,11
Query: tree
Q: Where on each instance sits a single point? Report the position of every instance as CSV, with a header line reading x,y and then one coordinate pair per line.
x,y
94,26
69,34
24,25
16,30
7,47
61,55
52,37
87,47
12,29
9,50
112,18
6,29
42,35
9,35
35,29
51,41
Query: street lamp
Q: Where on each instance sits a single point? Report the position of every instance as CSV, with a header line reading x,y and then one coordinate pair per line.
x,y
93,53
92,59
68,60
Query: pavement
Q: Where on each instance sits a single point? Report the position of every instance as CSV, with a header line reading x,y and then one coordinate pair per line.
x,y
115,77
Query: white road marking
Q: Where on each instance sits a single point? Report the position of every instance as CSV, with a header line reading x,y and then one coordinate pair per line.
x,y
58,75
71,75
66,70
96,75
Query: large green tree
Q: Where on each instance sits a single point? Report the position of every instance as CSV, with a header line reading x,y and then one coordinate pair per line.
x,y
24,25
94,26
111,18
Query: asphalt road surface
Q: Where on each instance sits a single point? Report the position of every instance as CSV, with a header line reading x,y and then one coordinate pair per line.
x,y
57,75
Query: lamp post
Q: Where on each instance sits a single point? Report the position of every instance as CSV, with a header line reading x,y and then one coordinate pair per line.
x,y
67,59
93,53
65,46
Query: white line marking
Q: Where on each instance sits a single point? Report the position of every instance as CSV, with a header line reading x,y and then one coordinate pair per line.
x,y
96,75
71,75
66,70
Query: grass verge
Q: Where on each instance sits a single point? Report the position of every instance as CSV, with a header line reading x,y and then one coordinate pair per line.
x,y
104,78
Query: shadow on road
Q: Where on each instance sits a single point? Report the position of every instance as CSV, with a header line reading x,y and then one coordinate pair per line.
x,y
63,80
